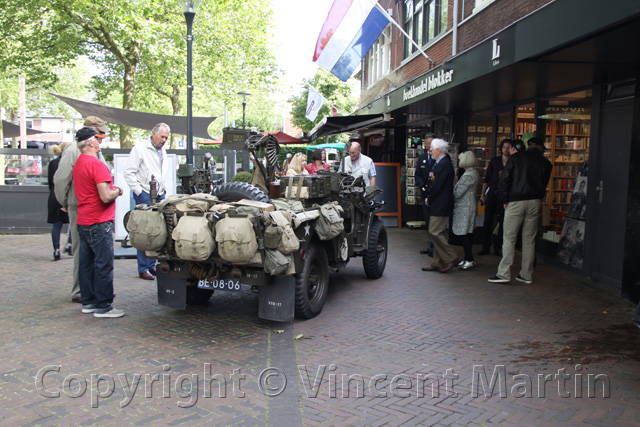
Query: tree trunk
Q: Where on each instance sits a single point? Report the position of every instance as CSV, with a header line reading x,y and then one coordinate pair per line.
x,y
128,98
177,110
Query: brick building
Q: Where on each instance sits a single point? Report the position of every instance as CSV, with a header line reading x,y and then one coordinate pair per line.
x,y
563,70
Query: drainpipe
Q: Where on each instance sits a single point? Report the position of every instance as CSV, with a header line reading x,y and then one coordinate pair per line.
x,y
454,47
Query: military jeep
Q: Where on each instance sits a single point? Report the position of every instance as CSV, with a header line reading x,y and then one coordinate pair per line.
x,y
298,288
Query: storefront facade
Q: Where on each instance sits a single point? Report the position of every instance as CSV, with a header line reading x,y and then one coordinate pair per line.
x,y
563,70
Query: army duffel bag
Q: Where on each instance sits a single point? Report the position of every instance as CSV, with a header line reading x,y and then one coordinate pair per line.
x,y
236,239
330,223
194,239
275,262
147,230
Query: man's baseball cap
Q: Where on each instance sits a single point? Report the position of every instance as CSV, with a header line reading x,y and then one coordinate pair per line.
x,y
96,122
85,133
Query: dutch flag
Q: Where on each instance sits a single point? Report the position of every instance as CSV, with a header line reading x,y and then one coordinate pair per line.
x,y
351,28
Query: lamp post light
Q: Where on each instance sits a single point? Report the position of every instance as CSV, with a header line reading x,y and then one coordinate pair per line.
x,y
244,95
189,8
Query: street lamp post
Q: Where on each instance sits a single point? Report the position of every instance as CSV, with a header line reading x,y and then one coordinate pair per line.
x,y
189,8
244,95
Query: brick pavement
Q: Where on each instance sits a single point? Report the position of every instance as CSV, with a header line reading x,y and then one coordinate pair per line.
x,y
408,342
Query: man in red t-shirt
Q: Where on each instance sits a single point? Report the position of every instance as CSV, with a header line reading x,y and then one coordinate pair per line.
x,y
96,212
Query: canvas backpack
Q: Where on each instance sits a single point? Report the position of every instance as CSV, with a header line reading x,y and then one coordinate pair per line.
x,y
236,239
329,224
194,239
147,230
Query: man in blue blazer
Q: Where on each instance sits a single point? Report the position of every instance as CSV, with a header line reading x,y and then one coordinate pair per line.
x,y
440,203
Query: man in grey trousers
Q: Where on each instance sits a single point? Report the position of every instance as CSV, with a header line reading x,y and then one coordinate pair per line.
x,y
522,187
66,195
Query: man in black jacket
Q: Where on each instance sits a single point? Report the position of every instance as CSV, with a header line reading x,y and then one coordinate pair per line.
x,y
440,203
522,187
423,168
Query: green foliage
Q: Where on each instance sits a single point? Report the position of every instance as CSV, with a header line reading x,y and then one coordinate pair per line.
x,y
333,89
140,50
243,176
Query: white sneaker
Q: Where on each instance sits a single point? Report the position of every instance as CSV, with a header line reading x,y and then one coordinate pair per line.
x,y
461,263
114,312
466,265
89,308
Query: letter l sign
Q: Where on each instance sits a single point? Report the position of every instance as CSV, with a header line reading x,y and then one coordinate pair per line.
x,y
496,50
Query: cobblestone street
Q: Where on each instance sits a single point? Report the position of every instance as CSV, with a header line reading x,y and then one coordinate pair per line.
x,y
412,348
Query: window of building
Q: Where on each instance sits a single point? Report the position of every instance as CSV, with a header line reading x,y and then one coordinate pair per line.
x,y
424,20
380,57
481,4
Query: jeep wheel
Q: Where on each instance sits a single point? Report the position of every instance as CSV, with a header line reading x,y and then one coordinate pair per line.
x,y
312,283
374,259
197,296
234,191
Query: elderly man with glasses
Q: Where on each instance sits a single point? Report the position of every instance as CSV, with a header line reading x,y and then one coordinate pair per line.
x,y
148,159
359,165
440,202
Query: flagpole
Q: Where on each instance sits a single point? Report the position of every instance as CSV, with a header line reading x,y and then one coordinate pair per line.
x,y
386,15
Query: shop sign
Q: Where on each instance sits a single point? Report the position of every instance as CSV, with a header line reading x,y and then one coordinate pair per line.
x,y
495,55
434,81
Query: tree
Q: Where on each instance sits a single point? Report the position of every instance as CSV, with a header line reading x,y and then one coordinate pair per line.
x,y
333,89
140,49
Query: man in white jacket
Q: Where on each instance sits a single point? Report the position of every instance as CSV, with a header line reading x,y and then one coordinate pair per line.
x,y
148,162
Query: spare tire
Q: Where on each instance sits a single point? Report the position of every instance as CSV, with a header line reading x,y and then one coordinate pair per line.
x,y
234,191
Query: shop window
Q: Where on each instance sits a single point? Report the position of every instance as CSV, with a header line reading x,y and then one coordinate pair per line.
x,y
424,20
479,139
379,57
567,132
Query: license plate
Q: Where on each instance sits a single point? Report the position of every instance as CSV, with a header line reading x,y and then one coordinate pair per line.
x,y
220,284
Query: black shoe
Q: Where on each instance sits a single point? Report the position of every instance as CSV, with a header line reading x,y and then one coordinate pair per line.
x,y
68,250
56,255
424,251
484,252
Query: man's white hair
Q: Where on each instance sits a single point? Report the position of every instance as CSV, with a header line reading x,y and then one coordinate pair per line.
x,y
439,144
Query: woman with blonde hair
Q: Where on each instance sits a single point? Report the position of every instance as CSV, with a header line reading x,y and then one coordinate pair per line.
x,y
465,206
297,165
55,215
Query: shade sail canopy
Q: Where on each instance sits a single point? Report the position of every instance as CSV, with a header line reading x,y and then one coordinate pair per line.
x,y
138,119
341,124
9,130
335,145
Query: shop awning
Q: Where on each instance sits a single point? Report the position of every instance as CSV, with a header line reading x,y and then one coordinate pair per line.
x,y
138,119
341,124
9,130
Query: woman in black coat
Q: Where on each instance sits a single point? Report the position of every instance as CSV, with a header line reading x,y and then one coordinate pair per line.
x,y
55,215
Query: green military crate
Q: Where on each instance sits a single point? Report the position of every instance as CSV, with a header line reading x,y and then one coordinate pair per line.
x,y
305,186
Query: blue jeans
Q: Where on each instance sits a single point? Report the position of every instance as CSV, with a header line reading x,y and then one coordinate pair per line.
x,y
145,264
95,270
